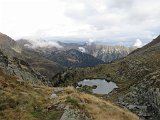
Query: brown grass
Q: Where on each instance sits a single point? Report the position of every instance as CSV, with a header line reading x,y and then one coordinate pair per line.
x,y
23,101
97,108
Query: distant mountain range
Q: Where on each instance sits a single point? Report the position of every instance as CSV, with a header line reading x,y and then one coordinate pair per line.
x,y
73,58
102,52
105,53
67,56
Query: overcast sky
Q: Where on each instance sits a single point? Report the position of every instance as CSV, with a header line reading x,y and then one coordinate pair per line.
x,y
117,21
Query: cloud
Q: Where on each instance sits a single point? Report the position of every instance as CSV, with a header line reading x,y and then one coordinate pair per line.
x,y
38,39
138,43
42,43
90,41
118,19
101,20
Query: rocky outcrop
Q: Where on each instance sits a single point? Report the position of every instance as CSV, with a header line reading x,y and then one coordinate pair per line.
x,y
19,68
144,100
73,114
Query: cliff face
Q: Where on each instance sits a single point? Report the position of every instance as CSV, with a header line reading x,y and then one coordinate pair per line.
x,y
6,40
14,63
19,68
108,53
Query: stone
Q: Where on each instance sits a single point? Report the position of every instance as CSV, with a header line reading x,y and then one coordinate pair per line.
x,y
53,96
73,114
57,90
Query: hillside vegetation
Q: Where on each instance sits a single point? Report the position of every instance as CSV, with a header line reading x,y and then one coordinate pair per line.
x,y
25,101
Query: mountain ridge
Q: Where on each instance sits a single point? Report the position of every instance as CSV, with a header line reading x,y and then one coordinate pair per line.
x,y
105,53
73,58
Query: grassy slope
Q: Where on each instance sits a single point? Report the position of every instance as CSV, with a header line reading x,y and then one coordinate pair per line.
x,y
23,101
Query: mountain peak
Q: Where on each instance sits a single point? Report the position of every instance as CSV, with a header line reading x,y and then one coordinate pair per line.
x,y
150,44
153,42
6,40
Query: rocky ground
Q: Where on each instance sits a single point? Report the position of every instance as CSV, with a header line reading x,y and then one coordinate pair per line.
x,y
25,101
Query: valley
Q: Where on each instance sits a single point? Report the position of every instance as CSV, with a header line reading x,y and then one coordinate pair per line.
x,y
27,92
51,83
137,78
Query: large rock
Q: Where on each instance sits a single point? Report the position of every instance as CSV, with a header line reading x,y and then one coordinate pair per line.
x,y
73,114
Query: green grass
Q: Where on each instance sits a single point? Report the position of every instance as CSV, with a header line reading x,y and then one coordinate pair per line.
x,y
55,115
37,114
72,101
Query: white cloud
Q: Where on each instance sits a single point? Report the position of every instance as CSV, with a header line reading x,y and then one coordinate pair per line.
x,y
138,43
103,20
35,43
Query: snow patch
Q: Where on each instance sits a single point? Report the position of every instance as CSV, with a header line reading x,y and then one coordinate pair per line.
x,y
82,49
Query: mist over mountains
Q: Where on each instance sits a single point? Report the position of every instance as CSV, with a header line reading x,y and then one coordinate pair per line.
x,y
51,41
